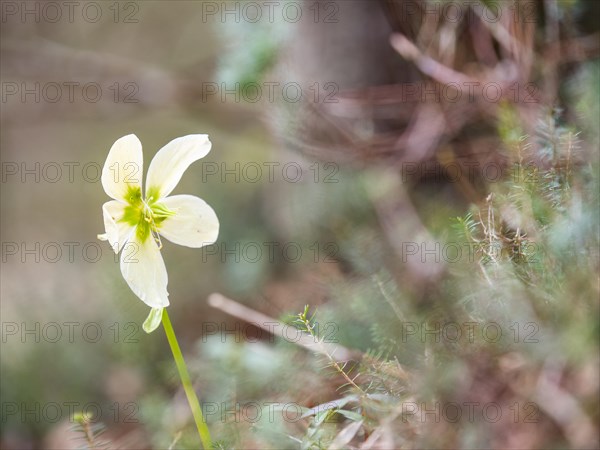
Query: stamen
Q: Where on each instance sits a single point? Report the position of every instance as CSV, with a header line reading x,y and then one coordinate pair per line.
x,y
156,237
149,217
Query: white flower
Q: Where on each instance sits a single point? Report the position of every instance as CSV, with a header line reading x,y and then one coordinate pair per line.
x,y
135,222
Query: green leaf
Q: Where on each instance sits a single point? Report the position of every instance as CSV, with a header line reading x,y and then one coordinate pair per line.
x,y
356,417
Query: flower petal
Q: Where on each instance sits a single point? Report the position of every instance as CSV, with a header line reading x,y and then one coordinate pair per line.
x,y
123,167
144,270
171,161
117,232
194,223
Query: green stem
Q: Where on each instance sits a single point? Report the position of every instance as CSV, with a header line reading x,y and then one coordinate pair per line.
x,y
185,380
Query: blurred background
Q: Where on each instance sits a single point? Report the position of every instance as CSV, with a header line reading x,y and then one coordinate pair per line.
x,y
337,131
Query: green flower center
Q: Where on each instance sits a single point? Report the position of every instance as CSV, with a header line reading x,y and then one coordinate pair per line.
x,y
146,215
